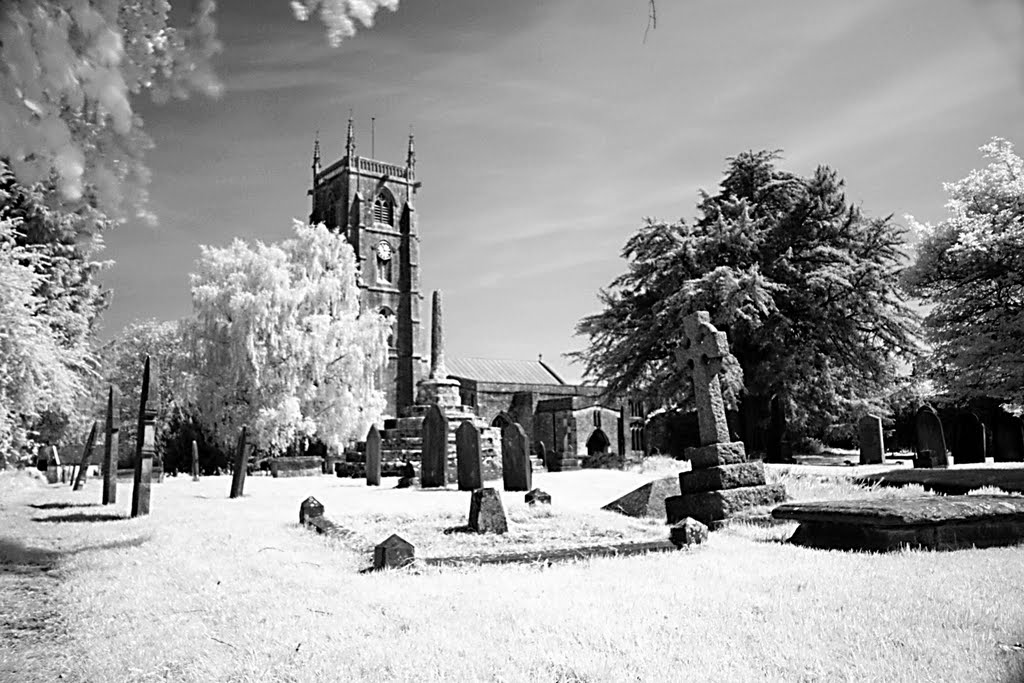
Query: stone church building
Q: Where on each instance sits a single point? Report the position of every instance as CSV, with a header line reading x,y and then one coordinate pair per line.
x,y
370,203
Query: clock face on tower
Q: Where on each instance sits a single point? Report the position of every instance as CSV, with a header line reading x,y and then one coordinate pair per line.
x,y
384,250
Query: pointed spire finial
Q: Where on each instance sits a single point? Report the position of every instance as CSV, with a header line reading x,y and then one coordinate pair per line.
x,y
350,142
316,155
410,158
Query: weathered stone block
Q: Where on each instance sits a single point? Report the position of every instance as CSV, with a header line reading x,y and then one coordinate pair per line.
x,y
647,500
716,454
486,513
394,551
310,508
688,532
535,496
711,506
722,477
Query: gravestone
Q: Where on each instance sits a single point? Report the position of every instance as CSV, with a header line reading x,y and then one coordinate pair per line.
x,y
145,444
486,513
516,470
83,465
968,443
373,457
241,464
394,551
648,500
434,459
1007,438
930,437
534,496
469,456
721,482
542,454
408,476
871,441
53,467
688,532
309,508
111,445
195,460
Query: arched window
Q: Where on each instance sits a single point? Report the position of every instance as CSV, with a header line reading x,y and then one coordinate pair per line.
x,y
389,315
383,209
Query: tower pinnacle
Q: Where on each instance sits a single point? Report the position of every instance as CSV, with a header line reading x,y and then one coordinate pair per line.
x,y
350,142
410,157
316,156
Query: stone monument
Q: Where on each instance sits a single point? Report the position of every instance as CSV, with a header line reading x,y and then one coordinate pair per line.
x,y
872,445
110,445
145,445
83,465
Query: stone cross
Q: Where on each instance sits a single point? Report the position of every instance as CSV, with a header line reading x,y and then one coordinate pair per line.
x,y
701,355
145,445
437,368
83,465
110,445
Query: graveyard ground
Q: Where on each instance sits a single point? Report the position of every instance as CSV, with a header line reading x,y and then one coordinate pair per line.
x,y
212,589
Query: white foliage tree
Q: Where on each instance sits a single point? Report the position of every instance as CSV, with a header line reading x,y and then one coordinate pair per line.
x,y
280,344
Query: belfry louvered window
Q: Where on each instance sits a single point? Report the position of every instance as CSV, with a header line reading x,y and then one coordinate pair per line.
x,y
383,210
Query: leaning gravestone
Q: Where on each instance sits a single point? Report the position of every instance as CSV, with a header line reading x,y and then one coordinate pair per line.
x,y
722,482
1007,438
373,457
434,459
111,445
486,513
83,465
469,456
930,439
872,445
145,445
241,464
647,500
516,470
968,443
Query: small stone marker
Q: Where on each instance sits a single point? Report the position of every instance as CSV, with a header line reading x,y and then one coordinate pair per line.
x,y
930,437
195,460
469,456
111,445
434,459
535,496
968,444
516,469
648,500
722,482
933,522
1007,439
394,551
145,445
373,457
83,465
486,513
872,449
688,532
408,476
241,464
309,508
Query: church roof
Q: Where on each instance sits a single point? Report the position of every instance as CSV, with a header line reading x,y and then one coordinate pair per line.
x,y
502,371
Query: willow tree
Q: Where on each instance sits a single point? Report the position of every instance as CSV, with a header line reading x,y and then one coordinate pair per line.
x,y
804,284
280,344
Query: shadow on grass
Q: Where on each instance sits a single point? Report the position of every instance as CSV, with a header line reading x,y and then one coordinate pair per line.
x,y
61,506
80,517
16,557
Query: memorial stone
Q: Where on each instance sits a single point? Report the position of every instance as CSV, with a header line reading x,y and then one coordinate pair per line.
x,y
486,513
871,441
968,442
434,458
516,470
111,445
83,465
1007,438
930,436
468,454
145,445
373,457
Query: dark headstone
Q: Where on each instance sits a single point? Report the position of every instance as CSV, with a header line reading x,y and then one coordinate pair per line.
x,y
933,522
110,445
927,460
1007,438
407,477
241,464
535,496
373,457
469,456
486,513
83,465
434,460
777,439
647,500
869,431
394,551
310,508
968,442
195,461
145,444
516,470
930,436
688,532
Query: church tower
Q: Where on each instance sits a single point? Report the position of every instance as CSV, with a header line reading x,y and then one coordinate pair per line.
x,y
370,203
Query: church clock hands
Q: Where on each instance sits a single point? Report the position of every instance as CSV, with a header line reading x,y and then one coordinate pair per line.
x,y
384,250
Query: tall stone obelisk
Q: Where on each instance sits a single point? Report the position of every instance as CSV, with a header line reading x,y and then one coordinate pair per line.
x,y
437,388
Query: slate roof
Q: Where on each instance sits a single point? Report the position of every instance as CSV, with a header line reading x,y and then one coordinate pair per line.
x,y
501,371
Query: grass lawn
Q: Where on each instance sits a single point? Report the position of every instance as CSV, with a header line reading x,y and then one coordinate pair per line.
x,y
212,589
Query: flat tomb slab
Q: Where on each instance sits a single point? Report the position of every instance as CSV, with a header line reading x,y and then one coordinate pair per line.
x,y
933,522
954,481
558,554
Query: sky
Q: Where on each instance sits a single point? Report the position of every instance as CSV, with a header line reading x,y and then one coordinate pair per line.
x,y
547,130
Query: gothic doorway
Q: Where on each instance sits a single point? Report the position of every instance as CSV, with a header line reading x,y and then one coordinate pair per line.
x,y
502,420
597,443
